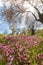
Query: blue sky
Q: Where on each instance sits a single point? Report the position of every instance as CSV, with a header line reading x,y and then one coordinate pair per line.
x,y
4,26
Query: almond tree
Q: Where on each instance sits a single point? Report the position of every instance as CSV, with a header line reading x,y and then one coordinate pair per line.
x,y
15,11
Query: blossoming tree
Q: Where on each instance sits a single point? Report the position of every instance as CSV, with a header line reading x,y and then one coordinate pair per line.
x,y
19,11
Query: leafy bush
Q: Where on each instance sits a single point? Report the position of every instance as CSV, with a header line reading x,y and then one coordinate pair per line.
x,y
39,32
21,50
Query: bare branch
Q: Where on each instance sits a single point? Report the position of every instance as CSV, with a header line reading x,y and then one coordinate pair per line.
x,y
42,1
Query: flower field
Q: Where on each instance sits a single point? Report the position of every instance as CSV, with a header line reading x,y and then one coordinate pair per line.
x,y
21,50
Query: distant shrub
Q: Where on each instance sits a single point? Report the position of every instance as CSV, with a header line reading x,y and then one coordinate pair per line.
x,y
39,32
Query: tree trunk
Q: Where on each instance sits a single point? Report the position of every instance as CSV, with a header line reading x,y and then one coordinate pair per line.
x,y
32,31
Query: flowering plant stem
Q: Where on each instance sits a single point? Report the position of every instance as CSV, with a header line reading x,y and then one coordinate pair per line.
x,y
33,54
0,62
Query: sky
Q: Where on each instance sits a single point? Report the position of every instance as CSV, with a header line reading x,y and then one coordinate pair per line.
x,y
4,25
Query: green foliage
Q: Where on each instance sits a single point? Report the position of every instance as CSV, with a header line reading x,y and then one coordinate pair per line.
x,y
18,46
39,32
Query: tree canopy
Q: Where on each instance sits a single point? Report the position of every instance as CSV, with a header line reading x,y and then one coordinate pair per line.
x,y
16,10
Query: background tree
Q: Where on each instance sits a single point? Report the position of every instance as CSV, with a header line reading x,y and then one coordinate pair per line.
x,y
15,11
